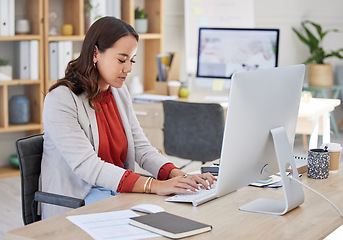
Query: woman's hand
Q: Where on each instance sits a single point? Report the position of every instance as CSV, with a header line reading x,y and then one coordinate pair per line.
x,y
182,184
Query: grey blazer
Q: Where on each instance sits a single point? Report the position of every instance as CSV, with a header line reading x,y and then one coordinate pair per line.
x,y
70,165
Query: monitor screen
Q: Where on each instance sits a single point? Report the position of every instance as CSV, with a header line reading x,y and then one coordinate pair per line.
x,y
260,128
224,51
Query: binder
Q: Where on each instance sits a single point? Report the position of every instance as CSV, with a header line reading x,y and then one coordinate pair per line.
x,y
53,60
68,53
65,52
4,30
60,58
22,60
34,74
98,11
11,18
113,8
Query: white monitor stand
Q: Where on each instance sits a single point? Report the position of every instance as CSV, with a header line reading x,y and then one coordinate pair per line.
x,y
293,192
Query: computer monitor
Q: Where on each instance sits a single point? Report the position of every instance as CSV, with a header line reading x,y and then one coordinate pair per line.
x,y
259,134
225,51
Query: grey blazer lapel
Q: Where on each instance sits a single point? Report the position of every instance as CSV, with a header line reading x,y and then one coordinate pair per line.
x,y
123,108
92,121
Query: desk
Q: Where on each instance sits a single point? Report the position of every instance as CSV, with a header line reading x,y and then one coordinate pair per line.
x,y
313,120
314,114
322,91
314,219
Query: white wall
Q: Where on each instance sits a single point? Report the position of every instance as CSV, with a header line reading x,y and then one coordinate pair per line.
x,y
282,14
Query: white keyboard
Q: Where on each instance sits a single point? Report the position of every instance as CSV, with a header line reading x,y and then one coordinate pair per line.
x,y
196,198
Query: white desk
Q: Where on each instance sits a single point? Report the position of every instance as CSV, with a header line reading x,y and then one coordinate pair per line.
x,y
314,119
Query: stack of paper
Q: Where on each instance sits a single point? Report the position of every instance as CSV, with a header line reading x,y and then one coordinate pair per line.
x,y
110,225
152,98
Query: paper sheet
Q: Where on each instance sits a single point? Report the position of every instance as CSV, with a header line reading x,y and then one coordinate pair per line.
x,y
110,225
152,98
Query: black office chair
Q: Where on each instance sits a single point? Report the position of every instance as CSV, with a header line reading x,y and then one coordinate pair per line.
x,y
29,150
193,130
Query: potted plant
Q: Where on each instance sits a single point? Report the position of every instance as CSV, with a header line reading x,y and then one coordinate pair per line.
x,y
320,73
141,21
5,70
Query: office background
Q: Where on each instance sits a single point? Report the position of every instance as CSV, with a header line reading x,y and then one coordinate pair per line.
x,y
280,14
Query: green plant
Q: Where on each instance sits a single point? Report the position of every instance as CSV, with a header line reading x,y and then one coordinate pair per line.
x,y
140,13
313,38
4,62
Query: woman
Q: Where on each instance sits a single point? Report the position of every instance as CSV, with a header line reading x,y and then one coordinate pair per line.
x,y
92,138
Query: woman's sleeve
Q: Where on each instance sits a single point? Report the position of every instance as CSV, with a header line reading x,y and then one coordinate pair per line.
x,y
129,178
165,170
127,181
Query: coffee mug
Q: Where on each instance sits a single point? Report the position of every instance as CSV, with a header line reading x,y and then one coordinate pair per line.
x,y
318,162
335,150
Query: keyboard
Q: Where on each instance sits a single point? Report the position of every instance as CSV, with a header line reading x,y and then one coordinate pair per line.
x,y
196,198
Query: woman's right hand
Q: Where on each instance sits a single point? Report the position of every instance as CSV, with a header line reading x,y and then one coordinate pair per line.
x,y
179,185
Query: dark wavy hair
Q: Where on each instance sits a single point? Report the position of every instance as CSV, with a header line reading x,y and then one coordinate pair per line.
x,y
81,75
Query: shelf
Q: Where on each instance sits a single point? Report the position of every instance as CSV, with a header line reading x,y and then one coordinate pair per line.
x,y
18,82
66,38
32,89
147,36
9,171
21,128
20,37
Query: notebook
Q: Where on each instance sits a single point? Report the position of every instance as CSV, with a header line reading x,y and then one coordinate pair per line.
x,y
169,225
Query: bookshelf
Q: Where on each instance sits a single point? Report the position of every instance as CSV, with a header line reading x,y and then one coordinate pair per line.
x,y
37,11
69,12
32,89
153,40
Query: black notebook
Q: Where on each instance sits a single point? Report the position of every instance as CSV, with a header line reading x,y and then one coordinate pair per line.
x,y
169,225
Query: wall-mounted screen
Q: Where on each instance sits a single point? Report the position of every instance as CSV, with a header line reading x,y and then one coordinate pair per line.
x,y
224,51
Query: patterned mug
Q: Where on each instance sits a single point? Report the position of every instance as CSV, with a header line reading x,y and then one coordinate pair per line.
x,y
318,162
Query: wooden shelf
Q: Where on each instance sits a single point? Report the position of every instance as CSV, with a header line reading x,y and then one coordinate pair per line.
x,y
37,12
154,39
33,11
15,82
20,37
9,171
66,38
148,36
21,127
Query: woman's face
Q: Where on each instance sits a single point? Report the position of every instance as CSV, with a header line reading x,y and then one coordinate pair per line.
x,y
115,63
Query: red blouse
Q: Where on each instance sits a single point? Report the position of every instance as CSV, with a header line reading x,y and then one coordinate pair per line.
x,y
113,141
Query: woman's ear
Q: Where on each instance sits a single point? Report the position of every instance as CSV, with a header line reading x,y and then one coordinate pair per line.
x,y
95,54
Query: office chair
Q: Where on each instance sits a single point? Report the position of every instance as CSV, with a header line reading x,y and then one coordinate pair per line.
x,y
29,150
193,130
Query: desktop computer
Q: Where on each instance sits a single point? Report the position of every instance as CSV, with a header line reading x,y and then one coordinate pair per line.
x,y
259,135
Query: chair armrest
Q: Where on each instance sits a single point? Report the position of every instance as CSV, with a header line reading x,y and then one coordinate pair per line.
x,y
59,200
